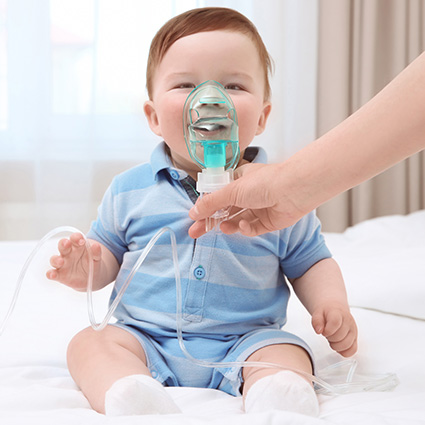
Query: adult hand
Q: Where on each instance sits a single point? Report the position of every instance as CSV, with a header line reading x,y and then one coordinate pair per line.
x,y
362,146
257,189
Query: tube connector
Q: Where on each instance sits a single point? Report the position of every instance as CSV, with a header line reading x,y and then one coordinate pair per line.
x,y
210,180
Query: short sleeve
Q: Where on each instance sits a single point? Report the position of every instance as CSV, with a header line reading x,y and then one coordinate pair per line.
x,y
105,228
304,246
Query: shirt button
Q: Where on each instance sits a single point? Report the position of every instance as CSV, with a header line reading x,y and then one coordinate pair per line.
x,y
174,175
199,272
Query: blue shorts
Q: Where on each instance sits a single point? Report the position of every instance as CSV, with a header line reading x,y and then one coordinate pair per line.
x,y
168,364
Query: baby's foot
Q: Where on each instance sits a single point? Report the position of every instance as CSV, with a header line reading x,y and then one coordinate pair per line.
x,y
284,390
138,395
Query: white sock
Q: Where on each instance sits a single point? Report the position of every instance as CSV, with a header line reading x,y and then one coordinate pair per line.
x,y
138,395
284,390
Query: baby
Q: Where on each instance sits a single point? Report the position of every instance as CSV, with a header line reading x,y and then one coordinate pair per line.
x,y
234,289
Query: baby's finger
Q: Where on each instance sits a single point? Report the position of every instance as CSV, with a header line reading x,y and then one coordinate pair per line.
x,y
56,261
52,274
340,334
318,322
64,247
77,239
96,251
350,351
334,322
347,347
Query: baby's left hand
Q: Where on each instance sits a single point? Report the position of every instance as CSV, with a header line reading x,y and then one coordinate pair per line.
x,y
335,322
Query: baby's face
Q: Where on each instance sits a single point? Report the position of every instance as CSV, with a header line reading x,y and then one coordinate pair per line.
x,y
230,58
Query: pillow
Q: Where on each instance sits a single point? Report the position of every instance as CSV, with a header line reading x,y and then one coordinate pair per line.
x,y
383,263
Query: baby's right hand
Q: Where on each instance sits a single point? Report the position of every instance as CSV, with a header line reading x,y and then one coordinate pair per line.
x,y
71,267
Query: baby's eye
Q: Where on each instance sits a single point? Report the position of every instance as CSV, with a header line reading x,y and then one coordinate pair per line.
x,y
233,87
185,86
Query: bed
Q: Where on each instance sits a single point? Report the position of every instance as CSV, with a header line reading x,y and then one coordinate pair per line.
x,y
383,262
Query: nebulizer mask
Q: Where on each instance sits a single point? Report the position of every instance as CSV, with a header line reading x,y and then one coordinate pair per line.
x,y
210,127
211,134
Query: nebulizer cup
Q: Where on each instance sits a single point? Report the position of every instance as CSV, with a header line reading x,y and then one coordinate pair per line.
x,y
211,130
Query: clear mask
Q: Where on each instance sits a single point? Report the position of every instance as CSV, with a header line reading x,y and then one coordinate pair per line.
x,y
211,132
210,127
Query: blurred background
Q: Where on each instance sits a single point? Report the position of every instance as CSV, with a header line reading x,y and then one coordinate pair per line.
x,y
72,87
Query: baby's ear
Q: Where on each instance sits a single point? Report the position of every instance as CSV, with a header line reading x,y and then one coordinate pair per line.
x,y
262,121
152,117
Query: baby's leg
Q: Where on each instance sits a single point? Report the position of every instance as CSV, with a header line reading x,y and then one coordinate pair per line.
x,y
98,360
266,388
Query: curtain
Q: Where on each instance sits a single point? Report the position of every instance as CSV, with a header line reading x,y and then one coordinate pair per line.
x,y
71,96
363,45
72,90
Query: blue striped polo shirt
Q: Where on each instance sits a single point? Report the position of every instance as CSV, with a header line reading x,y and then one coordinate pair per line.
x,y
231,284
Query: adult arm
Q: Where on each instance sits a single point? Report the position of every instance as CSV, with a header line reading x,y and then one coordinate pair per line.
x,y
386,130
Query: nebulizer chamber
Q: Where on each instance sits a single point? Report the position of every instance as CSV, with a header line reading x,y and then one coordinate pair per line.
x,y
211,134
210,128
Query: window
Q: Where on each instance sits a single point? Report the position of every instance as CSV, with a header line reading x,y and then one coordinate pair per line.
x,y
99,54
72,39
76,82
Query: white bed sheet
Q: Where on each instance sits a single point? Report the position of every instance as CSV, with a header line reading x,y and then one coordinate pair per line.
x,y
383,262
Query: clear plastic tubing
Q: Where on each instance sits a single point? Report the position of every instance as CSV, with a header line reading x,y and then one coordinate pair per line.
x,y
352,383
51,234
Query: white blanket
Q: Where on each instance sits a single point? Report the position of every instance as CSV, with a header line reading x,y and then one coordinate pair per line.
x,y
383,262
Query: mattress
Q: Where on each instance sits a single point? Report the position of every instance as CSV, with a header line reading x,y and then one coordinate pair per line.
x,y
383,263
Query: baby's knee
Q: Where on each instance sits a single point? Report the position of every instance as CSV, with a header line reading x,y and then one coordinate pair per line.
x,y
89,342
81,343
283,354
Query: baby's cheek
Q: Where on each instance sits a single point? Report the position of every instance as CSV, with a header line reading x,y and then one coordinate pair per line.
x,y
246,134
248,125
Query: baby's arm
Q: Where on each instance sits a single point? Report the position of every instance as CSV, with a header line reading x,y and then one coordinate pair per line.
x,y
322,291
70,267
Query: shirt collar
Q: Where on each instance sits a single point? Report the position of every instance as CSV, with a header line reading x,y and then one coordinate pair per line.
x,y
160,160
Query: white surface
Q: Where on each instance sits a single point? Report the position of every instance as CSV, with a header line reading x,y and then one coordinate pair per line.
x,y
383,262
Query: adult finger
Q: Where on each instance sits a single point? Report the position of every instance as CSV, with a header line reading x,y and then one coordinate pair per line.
x,y
212,202
253,227
197,229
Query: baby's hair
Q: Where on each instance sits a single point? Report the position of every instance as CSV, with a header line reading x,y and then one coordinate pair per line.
x,y
202,20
